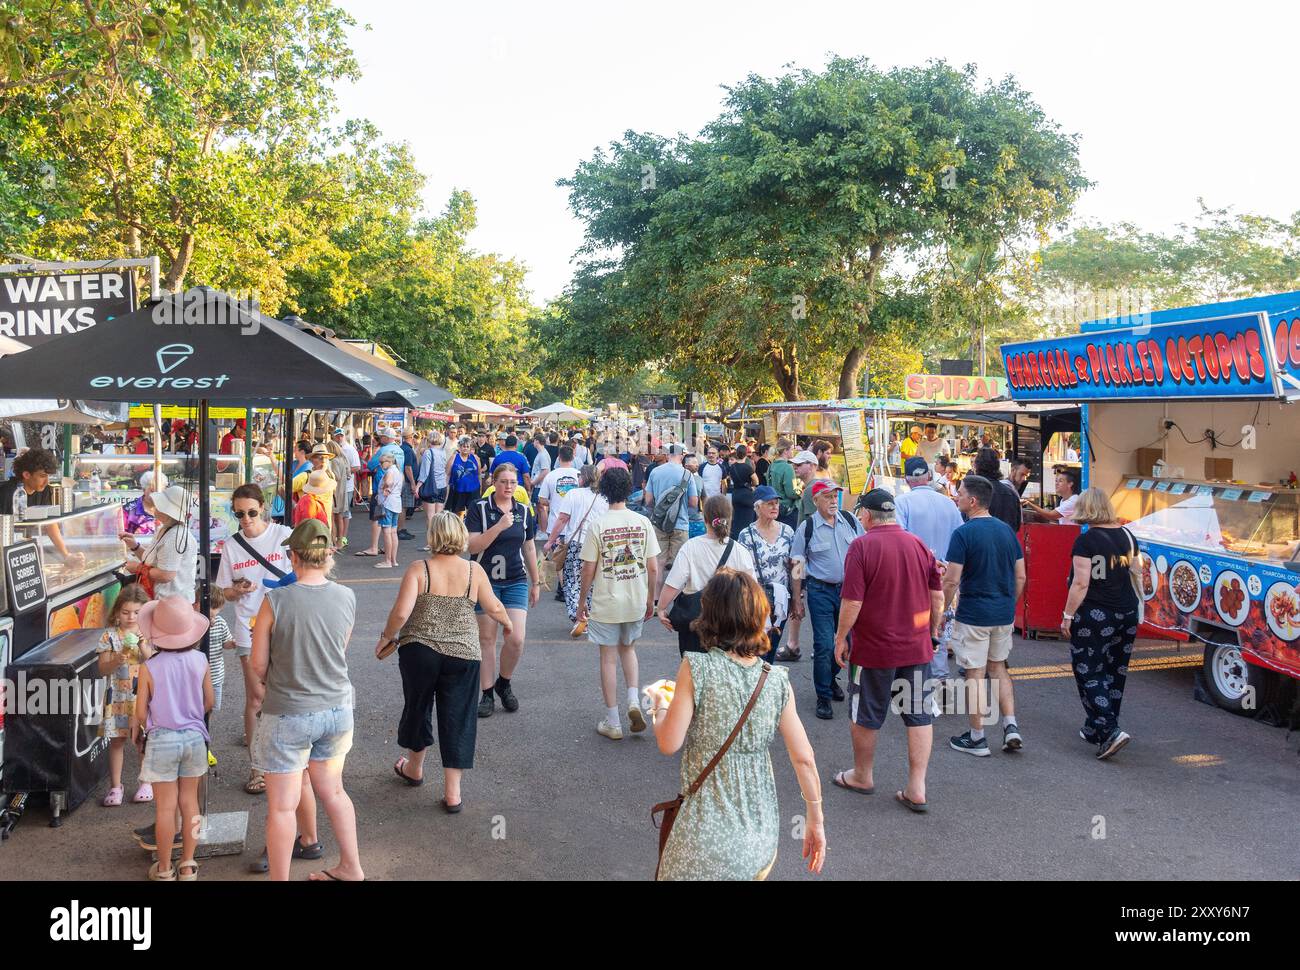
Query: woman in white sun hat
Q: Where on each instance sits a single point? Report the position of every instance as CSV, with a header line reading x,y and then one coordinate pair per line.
x,y
166,563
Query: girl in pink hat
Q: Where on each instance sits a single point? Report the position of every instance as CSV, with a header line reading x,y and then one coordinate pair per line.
x,y
174,694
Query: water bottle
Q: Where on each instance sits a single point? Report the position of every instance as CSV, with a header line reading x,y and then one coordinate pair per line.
x,y
95,484
20,503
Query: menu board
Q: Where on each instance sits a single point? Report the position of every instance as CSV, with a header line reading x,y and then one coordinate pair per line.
x,y
855,455
769,428
23,577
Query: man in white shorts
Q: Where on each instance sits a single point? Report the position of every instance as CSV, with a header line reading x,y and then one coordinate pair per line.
x,y
620,569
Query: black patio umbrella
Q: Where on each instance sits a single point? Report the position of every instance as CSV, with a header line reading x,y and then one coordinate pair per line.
x,y
206,346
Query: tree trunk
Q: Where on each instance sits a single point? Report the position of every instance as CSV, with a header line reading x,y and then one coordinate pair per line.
x,y
175,275
785,370
852,367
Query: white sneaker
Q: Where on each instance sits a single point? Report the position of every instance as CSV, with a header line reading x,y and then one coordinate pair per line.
x,y
636,719
612,731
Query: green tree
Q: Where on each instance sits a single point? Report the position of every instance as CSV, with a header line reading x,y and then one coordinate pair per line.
x,y
767,243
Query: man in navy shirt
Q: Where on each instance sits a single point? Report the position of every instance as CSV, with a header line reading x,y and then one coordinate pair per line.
x,y
511,454
986,566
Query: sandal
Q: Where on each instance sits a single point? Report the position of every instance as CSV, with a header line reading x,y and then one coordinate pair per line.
x,y
113,798
192,866
453,809
256,784
919,807
300,851
156,876
839,782
143,794
413,782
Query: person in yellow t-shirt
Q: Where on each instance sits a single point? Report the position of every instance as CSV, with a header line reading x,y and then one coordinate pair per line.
x,y
521,495
908,445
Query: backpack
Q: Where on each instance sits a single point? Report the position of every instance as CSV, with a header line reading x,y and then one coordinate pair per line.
x,y
808,525
668,506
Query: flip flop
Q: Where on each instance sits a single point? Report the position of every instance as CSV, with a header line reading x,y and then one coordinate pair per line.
x,y
919,807
839,782
328,876
363,554
143,794
453,809
413,782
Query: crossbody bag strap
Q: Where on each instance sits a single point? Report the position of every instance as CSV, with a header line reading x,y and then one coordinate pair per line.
x,y
735,732
726,553
583,520
243,544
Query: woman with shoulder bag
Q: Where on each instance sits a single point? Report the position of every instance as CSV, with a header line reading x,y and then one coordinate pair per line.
x,y
463,476
167,566
1102,613
694,566
580,508
768,541
726,706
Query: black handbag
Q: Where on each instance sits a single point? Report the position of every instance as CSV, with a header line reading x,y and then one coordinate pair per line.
x,y
686,607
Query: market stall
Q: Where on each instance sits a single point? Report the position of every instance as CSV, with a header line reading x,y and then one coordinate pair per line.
x,y
1189,423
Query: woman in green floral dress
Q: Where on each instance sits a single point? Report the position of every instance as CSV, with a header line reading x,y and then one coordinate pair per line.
x,y
731,827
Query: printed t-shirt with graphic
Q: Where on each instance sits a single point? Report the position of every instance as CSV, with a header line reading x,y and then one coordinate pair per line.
x,y
237,564
619,544
504,559
557,484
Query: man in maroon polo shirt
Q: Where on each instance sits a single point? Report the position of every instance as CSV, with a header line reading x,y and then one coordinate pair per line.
x,y
892,642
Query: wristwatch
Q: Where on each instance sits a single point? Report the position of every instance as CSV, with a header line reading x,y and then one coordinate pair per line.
x,y
1069,616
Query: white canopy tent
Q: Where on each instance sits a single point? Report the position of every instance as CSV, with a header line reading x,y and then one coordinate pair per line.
x,y
559,411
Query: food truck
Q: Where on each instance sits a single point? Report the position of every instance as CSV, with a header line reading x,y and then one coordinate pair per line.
x,y
1190,425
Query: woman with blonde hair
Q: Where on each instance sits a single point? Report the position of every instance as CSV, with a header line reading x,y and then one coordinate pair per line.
x,y
729,824
439,654
695,565
1101,618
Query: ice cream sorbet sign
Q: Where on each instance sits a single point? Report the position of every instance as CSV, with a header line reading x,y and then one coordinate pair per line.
x,y
1224,358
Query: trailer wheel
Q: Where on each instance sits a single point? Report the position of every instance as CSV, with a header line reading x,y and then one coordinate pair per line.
x,y
1235,684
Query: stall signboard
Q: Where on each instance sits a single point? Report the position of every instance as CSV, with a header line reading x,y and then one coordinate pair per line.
x,y
1231,357
856,464
769,428
36,309
1259,601
952,389
24,577
174,412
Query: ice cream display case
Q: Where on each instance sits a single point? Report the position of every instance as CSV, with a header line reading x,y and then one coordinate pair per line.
x,y
1221,553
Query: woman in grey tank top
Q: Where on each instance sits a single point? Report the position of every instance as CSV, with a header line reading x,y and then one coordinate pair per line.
x,y
300,638
433,621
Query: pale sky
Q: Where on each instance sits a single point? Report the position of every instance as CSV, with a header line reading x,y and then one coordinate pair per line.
x,y
1172,100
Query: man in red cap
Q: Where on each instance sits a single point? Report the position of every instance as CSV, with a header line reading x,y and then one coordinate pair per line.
x,y
228,446
821,544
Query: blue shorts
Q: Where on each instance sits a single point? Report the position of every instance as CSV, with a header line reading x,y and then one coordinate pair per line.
x,y
284,743
169,754
388,520
513,596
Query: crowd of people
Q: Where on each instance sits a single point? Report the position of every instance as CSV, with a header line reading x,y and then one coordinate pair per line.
x,y
892,587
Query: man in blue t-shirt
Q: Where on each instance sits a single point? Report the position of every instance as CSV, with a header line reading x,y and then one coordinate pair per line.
x,y
987,569
511,455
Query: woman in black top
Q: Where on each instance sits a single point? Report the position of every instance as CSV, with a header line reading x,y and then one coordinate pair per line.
x,y
761,467
743,480
1101,618
501,533
1005,504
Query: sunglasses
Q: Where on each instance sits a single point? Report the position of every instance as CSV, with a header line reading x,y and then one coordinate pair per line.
x,y
251,514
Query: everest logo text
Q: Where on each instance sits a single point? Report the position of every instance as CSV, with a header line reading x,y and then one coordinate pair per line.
x,y
169,358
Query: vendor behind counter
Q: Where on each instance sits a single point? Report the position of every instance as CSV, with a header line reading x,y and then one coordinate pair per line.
x,y
32,471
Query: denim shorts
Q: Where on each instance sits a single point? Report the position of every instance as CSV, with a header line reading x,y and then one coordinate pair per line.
x,y
284,743
388,520
169,754
513,596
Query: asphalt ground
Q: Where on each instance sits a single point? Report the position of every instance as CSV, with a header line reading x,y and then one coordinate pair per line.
x,y
1198,794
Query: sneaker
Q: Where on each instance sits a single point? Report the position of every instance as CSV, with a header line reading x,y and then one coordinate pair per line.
x,y
508,699
426,548
837,692
1087,738
612,731
636,719
1112,744
486,705
965,744
1011,740
404,534
824,709
343,542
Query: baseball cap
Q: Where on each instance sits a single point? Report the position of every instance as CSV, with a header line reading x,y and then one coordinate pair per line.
x,y
821,485
336,432
877,500
804,457
916,467
765,493
308,534
677,449
388,433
